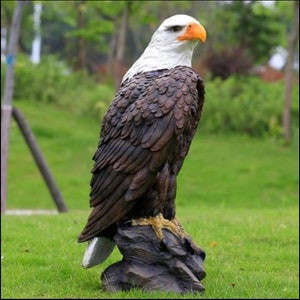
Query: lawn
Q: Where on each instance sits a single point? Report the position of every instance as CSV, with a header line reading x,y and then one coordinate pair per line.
x,y
237,197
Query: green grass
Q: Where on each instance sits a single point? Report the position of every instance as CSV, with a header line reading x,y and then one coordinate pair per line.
x,y
237,197
250,254
222,170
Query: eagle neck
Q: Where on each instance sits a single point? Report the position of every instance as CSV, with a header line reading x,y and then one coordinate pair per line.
x,y
155,59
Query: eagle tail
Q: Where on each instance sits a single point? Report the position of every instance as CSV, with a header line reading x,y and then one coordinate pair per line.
x,y
97,251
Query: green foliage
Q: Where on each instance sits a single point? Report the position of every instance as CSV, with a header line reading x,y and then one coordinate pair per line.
x,y
243,104
257,29
68,26
253,29
26,28
94,25
246,105
51,81
250,25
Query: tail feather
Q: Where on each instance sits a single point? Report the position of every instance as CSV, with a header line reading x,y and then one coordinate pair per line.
x,y
97,251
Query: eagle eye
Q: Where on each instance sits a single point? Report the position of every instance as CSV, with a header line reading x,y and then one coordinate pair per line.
x,y
175,28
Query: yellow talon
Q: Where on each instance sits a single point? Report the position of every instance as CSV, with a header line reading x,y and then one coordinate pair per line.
x,y
159,223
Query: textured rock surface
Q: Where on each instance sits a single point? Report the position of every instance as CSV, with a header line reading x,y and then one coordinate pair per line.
x,y
175,264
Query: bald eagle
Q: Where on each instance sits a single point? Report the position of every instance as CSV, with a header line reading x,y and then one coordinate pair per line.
x,y
145,136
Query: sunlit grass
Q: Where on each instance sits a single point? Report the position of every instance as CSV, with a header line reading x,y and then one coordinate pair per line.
x,y
250,254
219,170
237,197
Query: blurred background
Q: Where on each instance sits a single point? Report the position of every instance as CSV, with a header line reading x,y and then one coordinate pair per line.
x,y
72,55
64,43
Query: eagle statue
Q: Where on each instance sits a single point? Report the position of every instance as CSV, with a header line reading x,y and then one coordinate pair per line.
x,y
145,136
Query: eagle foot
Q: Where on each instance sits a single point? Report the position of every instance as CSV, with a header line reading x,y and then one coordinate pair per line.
x,y
158,223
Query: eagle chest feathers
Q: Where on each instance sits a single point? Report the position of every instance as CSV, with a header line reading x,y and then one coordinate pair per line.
x,y
145,136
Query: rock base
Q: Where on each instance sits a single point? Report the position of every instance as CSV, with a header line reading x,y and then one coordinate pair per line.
x,y
173,264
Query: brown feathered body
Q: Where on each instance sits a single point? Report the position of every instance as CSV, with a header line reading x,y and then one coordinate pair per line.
x,y
145,137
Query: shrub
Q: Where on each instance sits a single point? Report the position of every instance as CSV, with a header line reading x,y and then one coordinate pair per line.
x,y
229,62
239,104
52,82
246,104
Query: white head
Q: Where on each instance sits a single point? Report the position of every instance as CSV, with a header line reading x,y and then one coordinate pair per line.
x,y
171,45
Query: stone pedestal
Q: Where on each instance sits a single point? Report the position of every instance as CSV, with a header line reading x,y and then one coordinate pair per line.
x,y
173,264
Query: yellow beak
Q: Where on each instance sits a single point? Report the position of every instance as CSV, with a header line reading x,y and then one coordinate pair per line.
x,y
194,31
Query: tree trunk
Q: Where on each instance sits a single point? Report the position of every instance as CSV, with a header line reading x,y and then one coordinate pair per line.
x,y
286,116
120,45
81,48
8,95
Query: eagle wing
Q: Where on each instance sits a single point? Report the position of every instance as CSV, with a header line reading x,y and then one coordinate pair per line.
x,y
151,120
